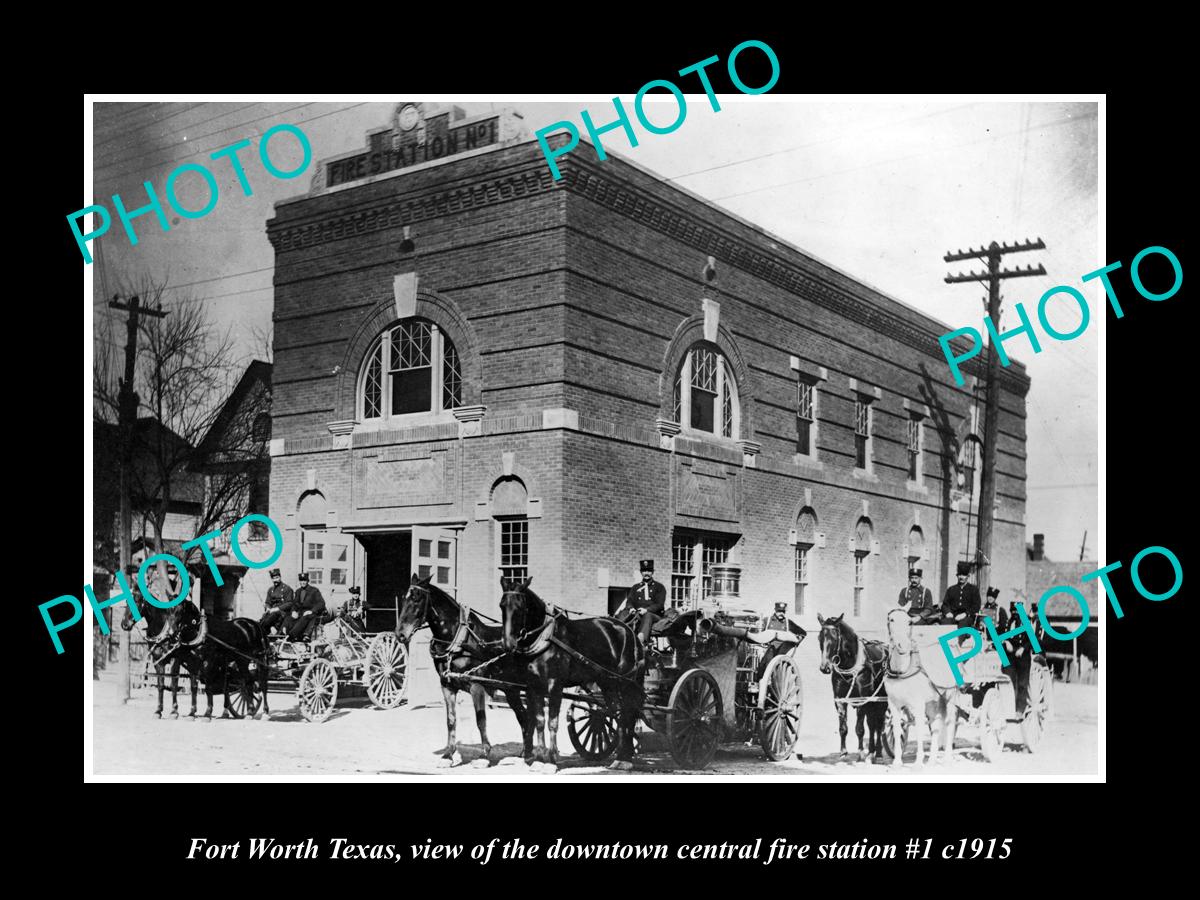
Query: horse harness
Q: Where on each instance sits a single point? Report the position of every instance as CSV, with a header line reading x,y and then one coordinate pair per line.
x,y
861,660
454,646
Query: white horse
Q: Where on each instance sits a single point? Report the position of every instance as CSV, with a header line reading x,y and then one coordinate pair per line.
x,y
910,691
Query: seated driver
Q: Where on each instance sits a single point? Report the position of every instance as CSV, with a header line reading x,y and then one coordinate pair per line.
x,y
778,620
649,598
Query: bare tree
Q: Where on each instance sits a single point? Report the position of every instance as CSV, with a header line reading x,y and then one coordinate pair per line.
x,y
184,372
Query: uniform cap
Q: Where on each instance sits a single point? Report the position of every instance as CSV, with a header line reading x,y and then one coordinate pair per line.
x,y
912,572
963,568
646,565
781,607
274,573
303,576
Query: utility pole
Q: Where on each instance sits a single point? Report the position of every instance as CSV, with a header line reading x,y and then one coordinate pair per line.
x,y
127,404
992,278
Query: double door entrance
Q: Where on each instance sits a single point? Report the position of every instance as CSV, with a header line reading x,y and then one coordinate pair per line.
x,y
394,557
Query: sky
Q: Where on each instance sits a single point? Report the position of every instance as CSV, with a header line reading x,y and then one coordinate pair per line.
x,y
881,189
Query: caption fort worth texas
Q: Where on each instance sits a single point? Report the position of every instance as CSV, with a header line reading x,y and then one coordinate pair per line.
x,y
651,464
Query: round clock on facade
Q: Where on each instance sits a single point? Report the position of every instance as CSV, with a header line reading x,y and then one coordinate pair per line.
x,y
409,116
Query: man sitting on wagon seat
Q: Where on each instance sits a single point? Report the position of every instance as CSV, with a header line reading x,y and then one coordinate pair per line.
x,y
649,598
310,606
778,620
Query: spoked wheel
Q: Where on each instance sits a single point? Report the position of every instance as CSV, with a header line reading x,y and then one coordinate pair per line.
x,y
318,690
693,721
1033,724
245,698
889,741
991,725
592,728
782,701
386,672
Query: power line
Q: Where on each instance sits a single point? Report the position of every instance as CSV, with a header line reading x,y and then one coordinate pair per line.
x,y
120,162
232,127
175,287
173,132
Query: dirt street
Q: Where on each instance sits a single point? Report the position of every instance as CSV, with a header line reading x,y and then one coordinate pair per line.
x,y
358,741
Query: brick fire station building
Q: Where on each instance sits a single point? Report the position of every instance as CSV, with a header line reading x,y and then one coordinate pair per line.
x,y
480,370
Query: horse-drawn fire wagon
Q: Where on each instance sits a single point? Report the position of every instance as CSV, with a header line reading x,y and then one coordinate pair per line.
x,y
713,678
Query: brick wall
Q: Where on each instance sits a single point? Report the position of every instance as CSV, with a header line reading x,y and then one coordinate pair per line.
x,y
572,294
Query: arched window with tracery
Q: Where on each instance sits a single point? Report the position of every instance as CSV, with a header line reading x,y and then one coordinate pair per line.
x,y
706,396
412,367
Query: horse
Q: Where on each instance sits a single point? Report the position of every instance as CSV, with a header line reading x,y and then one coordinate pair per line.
x,y
861,679
457,645
910,690
555,652
173,635
238,642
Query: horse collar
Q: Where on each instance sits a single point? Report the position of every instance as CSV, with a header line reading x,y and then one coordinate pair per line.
x,y
859,660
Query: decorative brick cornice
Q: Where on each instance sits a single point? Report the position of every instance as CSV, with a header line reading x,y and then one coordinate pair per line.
x,y
709,240
406,211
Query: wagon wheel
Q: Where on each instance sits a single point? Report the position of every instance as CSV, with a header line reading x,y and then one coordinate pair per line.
x,y
693,721
317,693
592,727
244,696
991,725
1033,724
385,674
781,700
888,740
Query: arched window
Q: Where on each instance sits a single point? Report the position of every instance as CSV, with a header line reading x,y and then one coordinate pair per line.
x,y
806,538
705,397
411,368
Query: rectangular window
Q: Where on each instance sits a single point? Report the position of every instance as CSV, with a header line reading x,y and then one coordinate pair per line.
x,y
443,576
914,449
691,551
316,551
316,576
424,548
411,356
801,576
443,549
681,571
860,582
804,417
862,434
514,548
423,571
337,576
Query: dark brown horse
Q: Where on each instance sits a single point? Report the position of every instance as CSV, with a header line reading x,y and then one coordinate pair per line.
x,y
857,668
227,650
173,636
459,645
555,652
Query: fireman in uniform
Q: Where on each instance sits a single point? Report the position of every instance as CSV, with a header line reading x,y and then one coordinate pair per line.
x,y
778,620
992,610
961,603
649,598
308,611
280,602
918,599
